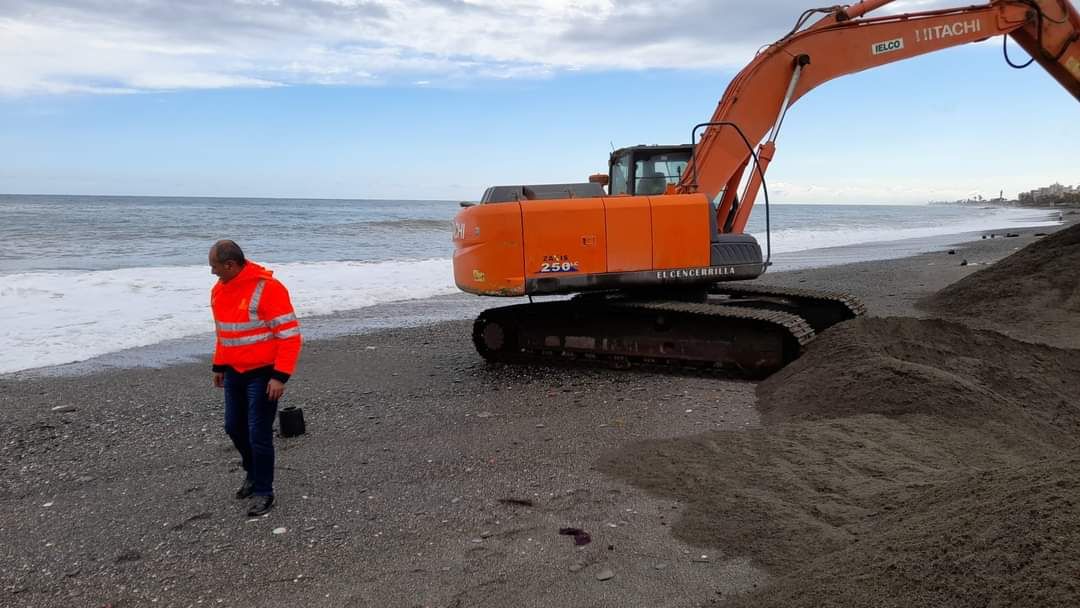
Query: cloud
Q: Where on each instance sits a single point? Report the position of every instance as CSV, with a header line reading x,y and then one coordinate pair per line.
x,y
119,46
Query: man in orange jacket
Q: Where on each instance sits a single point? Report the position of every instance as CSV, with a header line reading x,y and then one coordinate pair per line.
x,y
258,343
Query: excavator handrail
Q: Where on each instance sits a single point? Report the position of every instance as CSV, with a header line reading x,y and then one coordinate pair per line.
x,y
749,146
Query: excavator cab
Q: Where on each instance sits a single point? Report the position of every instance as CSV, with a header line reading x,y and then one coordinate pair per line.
x,y
647,170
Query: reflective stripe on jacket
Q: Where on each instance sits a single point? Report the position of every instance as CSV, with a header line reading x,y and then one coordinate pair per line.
x,y
255,322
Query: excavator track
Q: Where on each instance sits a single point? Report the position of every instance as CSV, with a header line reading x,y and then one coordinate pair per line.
x,y
749,332
821,309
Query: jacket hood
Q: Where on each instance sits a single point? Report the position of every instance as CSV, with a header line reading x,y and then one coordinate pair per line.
x,y
251,272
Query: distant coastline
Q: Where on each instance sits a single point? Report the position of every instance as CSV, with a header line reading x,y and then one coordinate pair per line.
x,y
1054,196
1058,205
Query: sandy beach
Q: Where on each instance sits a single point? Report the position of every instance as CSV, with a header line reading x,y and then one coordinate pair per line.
x,y
430,478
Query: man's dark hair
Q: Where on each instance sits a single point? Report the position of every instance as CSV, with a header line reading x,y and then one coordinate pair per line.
x,y
228,251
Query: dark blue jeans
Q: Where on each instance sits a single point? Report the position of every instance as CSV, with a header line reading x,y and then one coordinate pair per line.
x,y
249,422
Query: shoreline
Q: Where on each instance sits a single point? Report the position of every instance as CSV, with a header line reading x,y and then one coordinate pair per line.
x,y
438,309
427,477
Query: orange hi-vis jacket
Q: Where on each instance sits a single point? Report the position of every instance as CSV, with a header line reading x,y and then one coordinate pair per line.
x,y
256,324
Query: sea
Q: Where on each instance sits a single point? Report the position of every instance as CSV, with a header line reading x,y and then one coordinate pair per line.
x,y
98,282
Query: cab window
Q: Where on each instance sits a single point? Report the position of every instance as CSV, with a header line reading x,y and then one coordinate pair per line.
x,y
620,175
655,173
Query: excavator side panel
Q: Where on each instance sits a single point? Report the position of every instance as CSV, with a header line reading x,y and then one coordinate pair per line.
x,y
564,237
488,250
680,225
629,233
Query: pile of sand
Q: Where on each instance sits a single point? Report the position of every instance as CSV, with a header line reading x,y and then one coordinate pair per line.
x,y
902,367
902,463
1005,536
1033,295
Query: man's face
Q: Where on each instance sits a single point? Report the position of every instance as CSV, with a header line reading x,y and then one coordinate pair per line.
x,y
223,270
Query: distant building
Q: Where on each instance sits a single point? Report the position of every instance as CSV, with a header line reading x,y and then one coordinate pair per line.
x,y
1052,196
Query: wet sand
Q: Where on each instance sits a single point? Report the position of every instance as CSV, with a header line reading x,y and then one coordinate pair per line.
x,y
427,477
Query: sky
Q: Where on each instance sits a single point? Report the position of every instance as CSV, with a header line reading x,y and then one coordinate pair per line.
x,y
439,99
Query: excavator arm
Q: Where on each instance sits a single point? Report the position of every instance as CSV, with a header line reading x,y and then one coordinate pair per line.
x,y
845,41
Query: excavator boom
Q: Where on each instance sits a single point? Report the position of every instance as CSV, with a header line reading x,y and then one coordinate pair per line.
x,y
844,42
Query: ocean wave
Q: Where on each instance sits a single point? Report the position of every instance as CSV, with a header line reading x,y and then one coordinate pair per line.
x,y
412,224
787,240
60,317
388,226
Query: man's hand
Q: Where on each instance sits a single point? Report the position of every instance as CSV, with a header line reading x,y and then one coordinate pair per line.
x,y
219,379
275,389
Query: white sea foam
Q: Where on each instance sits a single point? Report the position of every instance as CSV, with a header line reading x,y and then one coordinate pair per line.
x,y
59,317
797,239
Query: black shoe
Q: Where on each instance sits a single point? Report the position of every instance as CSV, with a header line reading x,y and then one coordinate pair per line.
x,y
260,505
246,489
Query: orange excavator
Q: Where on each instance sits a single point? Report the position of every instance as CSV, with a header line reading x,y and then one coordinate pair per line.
x,y
654,258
